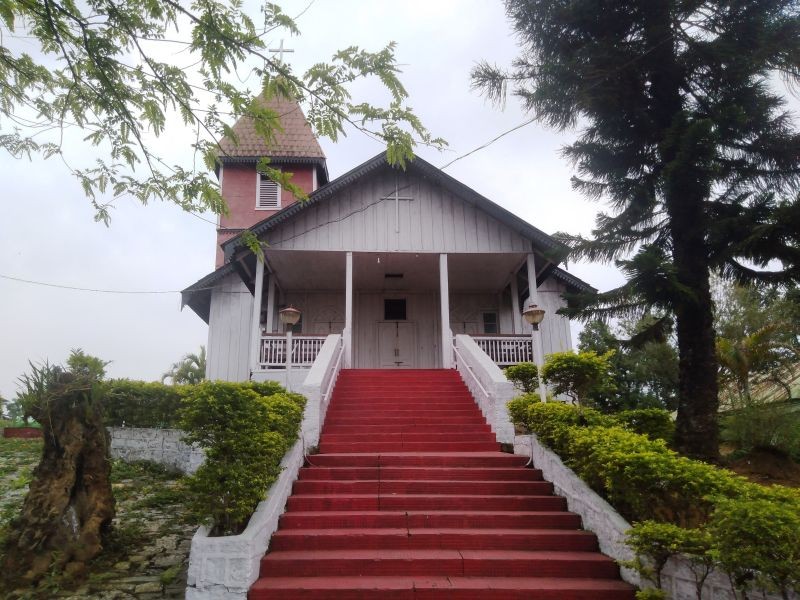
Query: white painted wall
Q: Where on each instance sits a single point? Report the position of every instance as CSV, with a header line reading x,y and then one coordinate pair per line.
x,y
229,331
556,335
322,312
357,219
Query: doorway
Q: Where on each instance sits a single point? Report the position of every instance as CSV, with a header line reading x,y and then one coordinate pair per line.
x,y
396,343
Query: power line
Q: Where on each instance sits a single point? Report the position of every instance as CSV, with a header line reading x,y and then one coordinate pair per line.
x,y
83,289
532,119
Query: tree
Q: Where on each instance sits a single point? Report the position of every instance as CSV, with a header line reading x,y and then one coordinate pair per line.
x,y
87,366
580,376
644,371
98,69
69,506
190,369
684,133
758,346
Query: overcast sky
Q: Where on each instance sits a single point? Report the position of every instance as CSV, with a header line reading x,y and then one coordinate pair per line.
x,y
47,232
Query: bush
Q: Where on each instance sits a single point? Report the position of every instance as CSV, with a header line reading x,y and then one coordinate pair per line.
x,y
655,423
132,403
763,424
579,376
758,542
676,500
245,435
524,376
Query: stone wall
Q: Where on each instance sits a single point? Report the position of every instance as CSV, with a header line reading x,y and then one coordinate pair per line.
x,y
610,527
162,446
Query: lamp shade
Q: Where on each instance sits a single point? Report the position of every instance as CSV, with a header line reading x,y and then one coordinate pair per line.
x,y
289,315
533,314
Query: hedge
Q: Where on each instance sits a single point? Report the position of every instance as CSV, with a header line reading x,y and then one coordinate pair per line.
x,y
245,430
754,529
129,403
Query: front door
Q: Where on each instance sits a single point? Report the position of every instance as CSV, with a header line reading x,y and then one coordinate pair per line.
x,y
396,343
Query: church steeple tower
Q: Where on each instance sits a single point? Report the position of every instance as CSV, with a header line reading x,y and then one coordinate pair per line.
x,y
252,197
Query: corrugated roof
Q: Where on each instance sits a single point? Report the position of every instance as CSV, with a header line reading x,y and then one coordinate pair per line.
x,y
296,140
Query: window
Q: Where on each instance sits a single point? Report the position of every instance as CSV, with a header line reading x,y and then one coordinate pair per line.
x,y
394,309
490,322
269,194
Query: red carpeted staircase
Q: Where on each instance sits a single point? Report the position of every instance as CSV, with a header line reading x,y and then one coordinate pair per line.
x,y
410,497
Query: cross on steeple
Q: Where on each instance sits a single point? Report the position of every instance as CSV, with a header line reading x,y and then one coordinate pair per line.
x,y
280,50
397,198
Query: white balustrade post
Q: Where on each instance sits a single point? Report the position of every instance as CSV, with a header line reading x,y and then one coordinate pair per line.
x,y
444,293
255,328
289,358
348,311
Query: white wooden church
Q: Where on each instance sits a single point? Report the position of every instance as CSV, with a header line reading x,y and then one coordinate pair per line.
x,y
384,266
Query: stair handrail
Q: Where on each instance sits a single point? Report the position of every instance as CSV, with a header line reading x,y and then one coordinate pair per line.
x,y
471,371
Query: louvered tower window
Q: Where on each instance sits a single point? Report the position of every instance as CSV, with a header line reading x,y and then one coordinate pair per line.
x,y
269,194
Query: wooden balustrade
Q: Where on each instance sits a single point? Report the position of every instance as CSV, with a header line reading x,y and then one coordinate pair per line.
x,y
506,350
305,349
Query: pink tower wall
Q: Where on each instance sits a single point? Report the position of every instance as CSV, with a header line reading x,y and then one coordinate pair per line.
x,y
239,191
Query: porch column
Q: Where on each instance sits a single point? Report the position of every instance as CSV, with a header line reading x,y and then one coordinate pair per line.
x,y
255,329
348,311
516,315
444,294
533,296
270,303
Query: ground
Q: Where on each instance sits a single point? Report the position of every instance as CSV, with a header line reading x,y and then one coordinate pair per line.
x,y
148,552
766,466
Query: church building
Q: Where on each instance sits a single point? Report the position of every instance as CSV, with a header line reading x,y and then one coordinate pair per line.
x,y
395,262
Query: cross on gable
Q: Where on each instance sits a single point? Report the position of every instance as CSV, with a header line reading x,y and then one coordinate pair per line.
x,y
397,199
280,50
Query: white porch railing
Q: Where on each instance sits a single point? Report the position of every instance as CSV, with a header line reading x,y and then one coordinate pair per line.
x,y
305,348
506,350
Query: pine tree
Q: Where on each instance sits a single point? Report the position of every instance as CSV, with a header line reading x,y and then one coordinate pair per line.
x,y
684,134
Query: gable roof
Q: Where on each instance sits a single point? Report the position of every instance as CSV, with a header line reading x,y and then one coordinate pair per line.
x,y
295,140
543,242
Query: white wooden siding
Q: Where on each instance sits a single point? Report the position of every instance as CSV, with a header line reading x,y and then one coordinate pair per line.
x,y
357,219
556,334
322,312
422,309
229,331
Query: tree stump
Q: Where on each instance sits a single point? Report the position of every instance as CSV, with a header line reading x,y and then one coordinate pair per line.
x,y
70,505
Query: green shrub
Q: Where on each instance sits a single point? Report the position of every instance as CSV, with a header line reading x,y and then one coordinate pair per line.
x,y
655,423
758,542
708,514
131,403
579,375
762,423
245,435
655,543
525,376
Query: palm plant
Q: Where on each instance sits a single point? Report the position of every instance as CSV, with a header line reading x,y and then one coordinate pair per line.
x,y
190,369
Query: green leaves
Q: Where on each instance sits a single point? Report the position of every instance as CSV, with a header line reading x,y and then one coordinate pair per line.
x,y
245,434
578,375
100,68
524,376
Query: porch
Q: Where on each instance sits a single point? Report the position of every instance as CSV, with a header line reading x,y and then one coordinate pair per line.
x,y
397,310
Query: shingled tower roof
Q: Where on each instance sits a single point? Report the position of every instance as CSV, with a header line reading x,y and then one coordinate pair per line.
x,y
296,141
